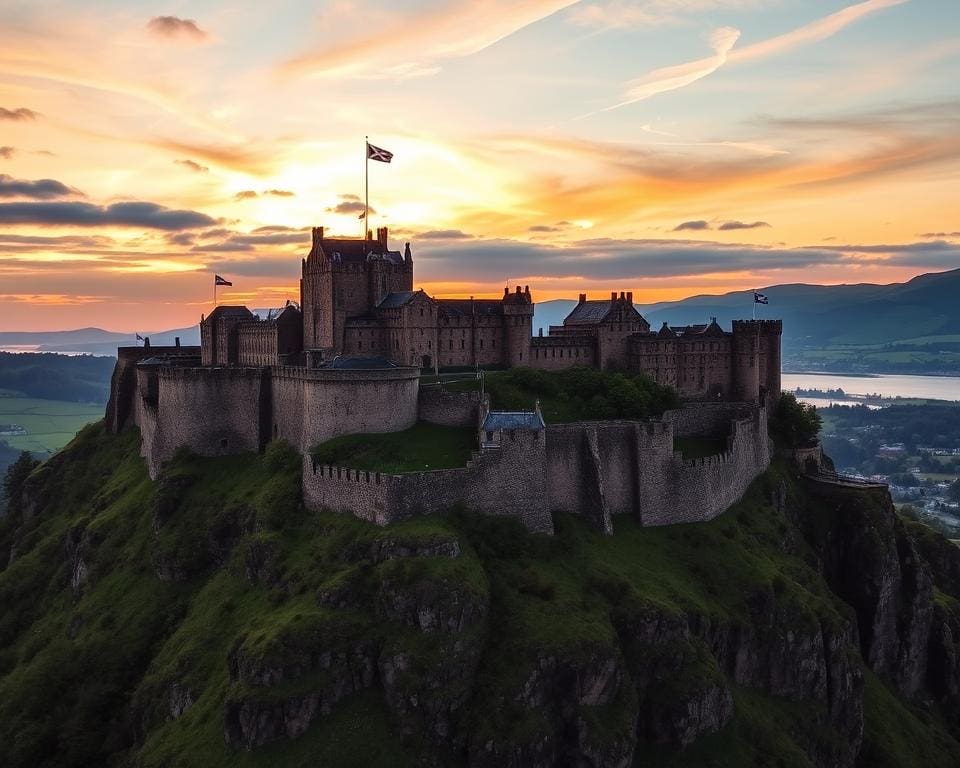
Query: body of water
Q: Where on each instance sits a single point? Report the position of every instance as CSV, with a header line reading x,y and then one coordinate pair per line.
x,y
892,385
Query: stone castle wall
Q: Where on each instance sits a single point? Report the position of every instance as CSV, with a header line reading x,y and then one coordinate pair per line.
x,y
596,469
449,409
509,481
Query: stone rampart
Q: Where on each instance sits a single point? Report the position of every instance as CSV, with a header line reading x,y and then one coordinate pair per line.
x,y
309,406
449,409
706,419
507,481
211,411
123,385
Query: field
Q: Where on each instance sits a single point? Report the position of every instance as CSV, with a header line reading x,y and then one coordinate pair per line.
x,y
50,424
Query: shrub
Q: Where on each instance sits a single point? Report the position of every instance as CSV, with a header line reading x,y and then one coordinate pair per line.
x,y
794,424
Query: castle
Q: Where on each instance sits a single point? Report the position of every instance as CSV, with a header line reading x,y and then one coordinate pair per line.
x,y
349,359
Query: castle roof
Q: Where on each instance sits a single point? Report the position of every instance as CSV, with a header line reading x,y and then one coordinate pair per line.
x,y
235,312
512,420
461,307
596,311
398,299
357,250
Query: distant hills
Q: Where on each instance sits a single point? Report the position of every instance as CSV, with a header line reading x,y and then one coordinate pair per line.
x,y
93,341
911,327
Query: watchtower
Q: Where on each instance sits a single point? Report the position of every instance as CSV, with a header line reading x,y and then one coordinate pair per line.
x,y
517,326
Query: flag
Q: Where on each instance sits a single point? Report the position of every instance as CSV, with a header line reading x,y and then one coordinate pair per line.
x,y
363,215
217,280
139,337
380,155
760,298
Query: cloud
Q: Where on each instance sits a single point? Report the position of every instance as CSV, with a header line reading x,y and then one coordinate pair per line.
x,y
174,28
729,225
41,189
411,44
77,214
722,42
239,242
249,194
698,225
350,197
443,234
813,32
181,238
192,165
18,115
680,75
7,152
940,234
350,206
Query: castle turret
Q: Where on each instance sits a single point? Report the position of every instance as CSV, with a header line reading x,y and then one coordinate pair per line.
x,y
745,353
771,332
518,325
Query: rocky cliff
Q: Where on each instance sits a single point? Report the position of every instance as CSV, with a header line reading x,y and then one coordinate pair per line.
x,y
206,619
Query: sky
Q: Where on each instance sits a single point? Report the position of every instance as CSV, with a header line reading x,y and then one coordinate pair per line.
x,y
668,147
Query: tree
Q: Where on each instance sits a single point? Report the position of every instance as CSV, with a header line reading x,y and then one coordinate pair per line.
x,y
795,424
17,474
953,492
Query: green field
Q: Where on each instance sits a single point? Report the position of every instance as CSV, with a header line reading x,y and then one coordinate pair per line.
x,y
50,424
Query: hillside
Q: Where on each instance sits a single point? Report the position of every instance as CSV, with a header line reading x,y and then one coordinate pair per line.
x,y
207,620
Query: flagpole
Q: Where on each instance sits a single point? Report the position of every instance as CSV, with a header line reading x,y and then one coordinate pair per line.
x,y
214,291
754,303
366,188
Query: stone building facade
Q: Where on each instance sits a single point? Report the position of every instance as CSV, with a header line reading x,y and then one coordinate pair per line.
x,y
357,298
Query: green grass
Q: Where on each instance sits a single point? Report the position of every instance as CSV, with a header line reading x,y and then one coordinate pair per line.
x,y
50,424
422,447
699,447
84,672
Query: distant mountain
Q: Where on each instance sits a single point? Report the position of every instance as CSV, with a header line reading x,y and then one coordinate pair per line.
x,y
94,341
817,315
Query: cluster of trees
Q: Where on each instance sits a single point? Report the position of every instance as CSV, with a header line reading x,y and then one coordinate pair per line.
x,y
78,379
794,424
581,393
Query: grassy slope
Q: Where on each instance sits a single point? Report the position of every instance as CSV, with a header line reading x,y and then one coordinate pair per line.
x,y
86,675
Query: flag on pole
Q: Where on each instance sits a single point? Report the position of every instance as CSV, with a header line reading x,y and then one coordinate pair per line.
x,y
139,337
760,298
378,154
363,215
217,280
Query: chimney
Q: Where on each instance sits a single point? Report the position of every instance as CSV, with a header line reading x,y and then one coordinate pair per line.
x,y
407,256
382,237
369,236
317,236
176,342
583,298
541,331
518,290
146,343
613,295
526,290
506,291
623,296
630,297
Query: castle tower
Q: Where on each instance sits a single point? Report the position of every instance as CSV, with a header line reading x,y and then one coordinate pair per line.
x,y
745,354
517,326
345,277
771,332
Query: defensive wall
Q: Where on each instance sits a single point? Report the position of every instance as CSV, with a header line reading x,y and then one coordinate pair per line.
x,y
596,469
449,409
123,383
218,411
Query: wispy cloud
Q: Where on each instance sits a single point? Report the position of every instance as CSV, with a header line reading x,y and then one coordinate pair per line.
x,y
7,152
818,30
733,225
692,226
722,42
413,44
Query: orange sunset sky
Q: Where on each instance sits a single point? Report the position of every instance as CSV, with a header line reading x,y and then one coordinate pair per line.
x,y
668,147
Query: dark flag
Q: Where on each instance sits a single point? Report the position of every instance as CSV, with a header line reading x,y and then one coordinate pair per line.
x,y
378,154
139,337
760,298
217,280
362,215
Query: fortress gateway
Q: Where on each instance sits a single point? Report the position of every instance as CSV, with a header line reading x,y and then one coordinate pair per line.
x,y
349,360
